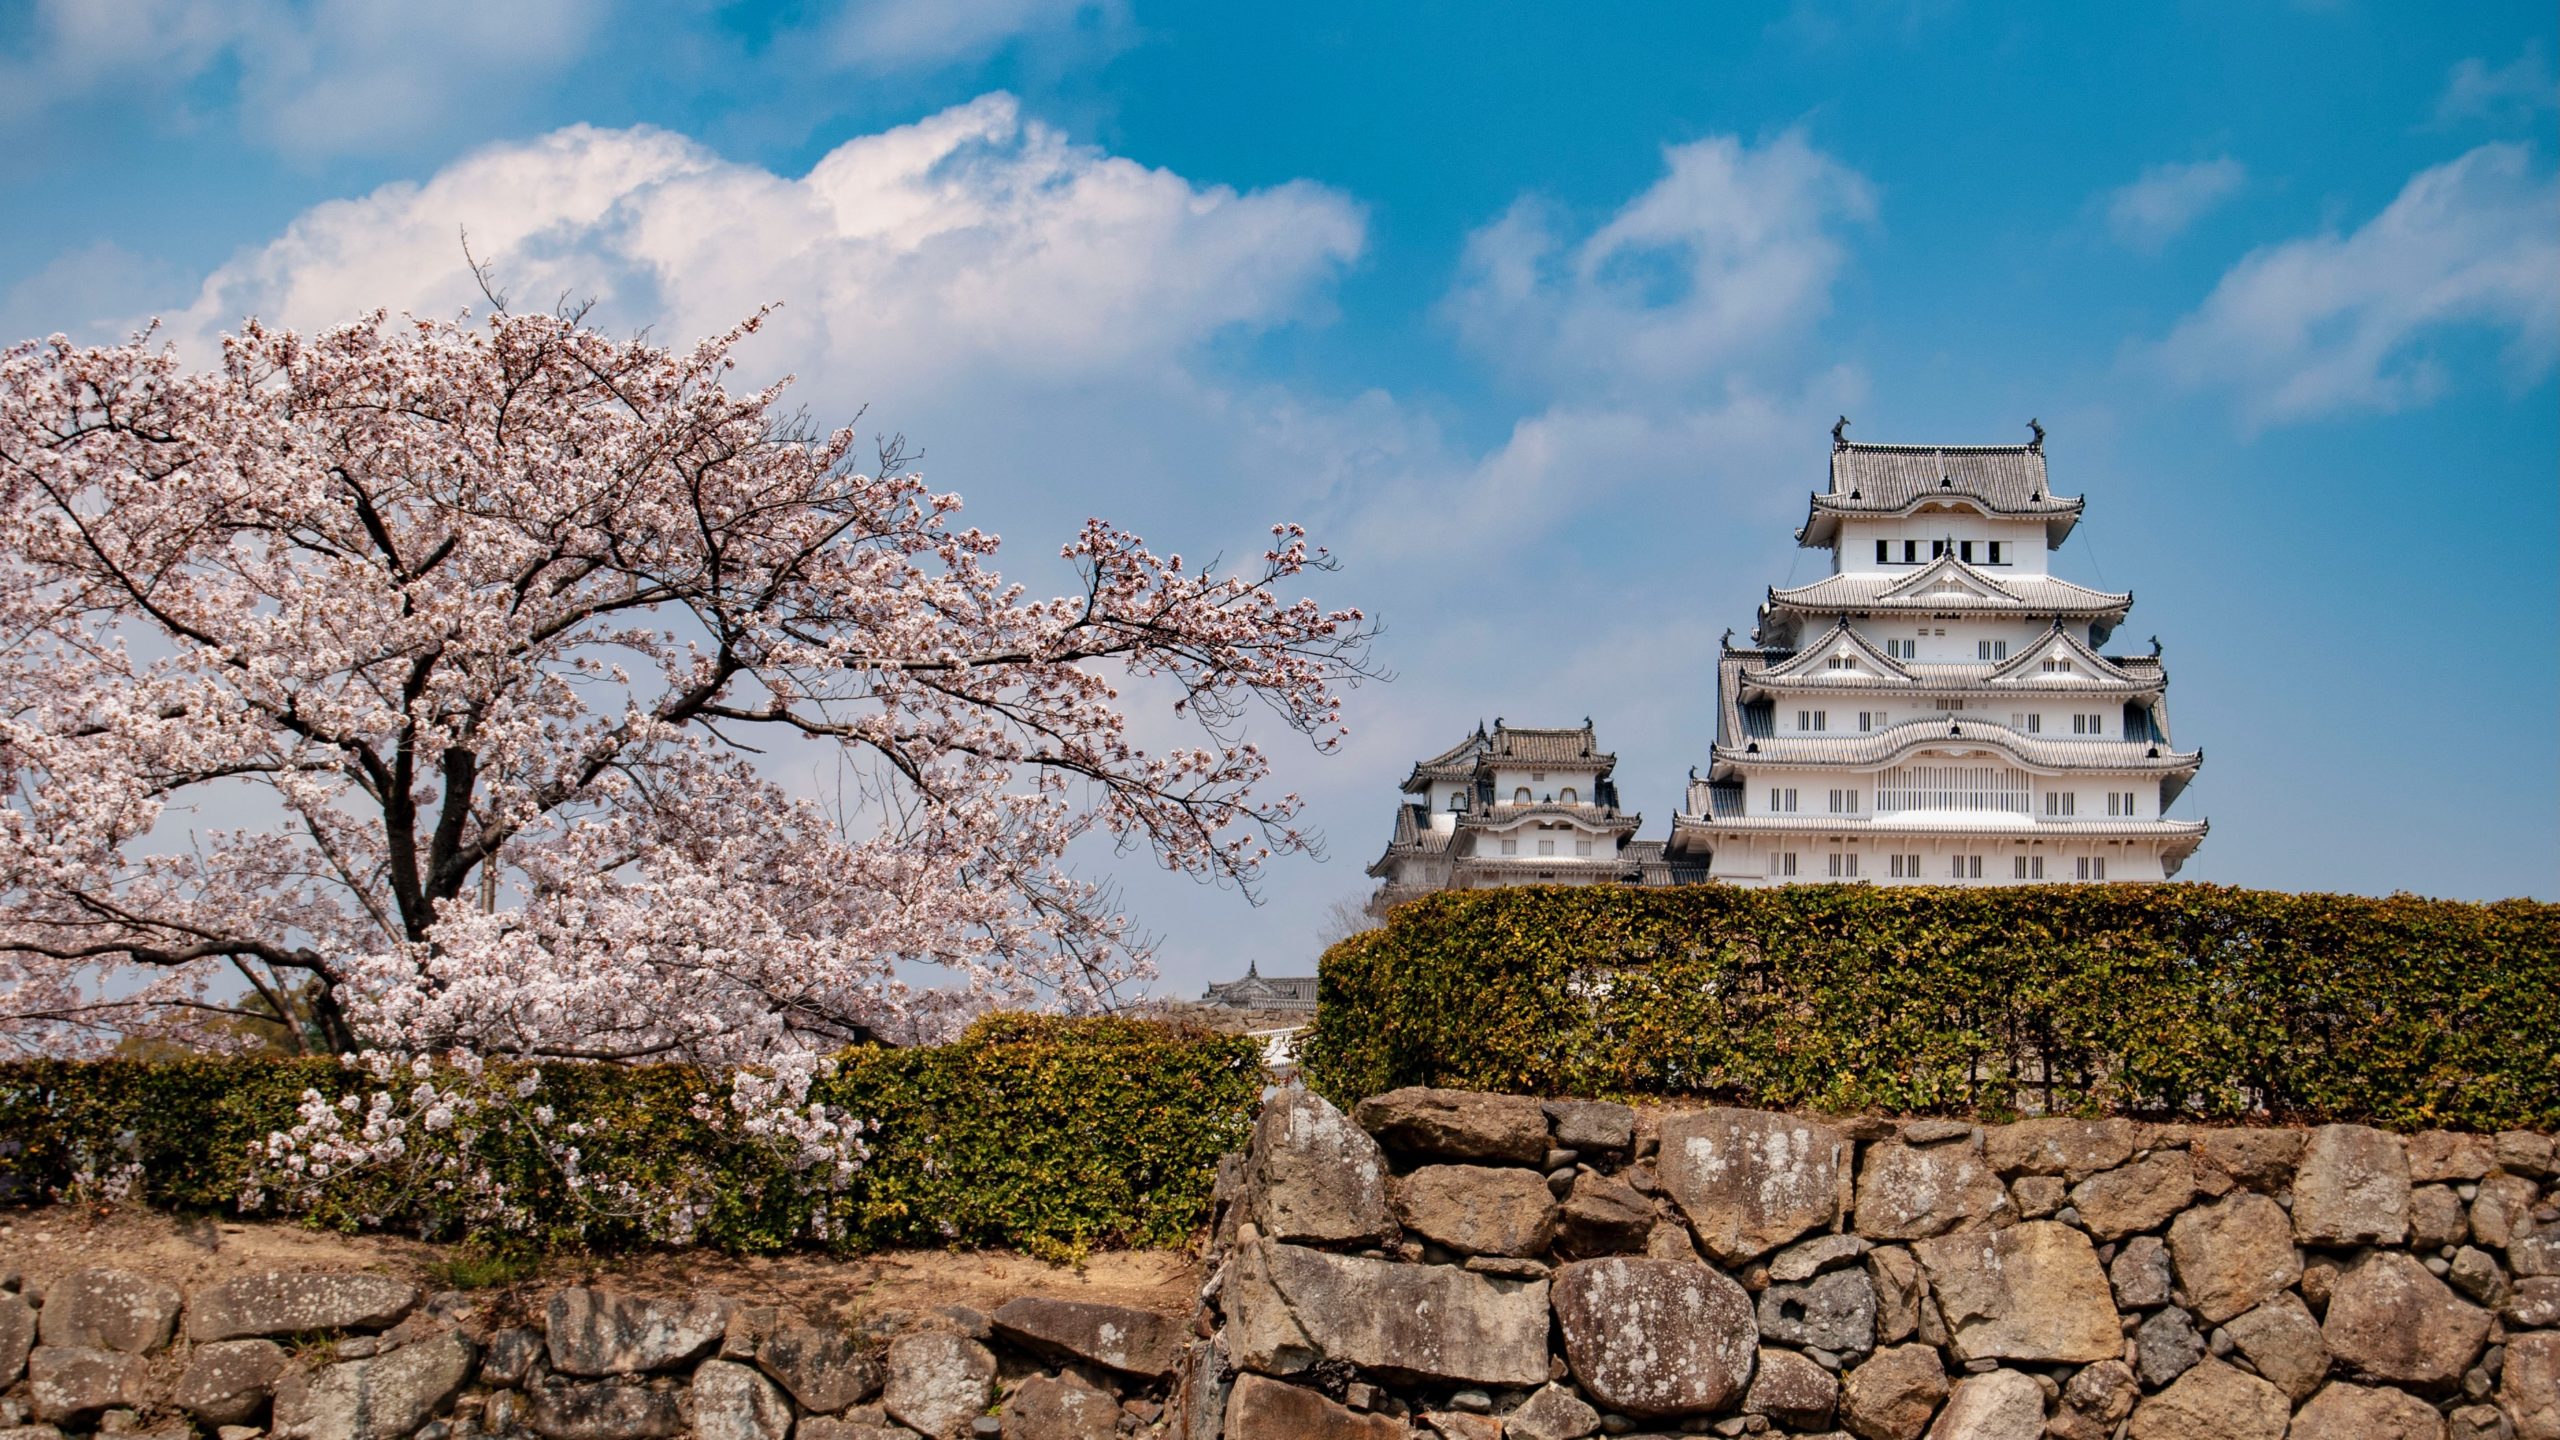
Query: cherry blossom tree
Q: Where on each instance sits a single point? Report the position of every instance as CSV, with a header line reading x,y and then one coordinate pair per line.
x,y
427,681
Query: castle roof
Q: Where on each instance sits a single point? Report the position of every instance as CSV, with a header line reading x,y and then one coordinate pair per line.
x,y
1947,585
1884,480
1809,669
1458,762
1576,746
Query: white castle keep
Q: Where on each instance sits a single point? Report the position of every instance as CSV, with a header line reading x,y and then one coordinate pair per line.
x,y
1938,710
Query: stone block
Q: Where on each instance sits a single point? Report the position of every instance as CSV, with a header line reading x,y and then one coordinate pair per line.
x,y
2233,1253
2072,1149
1126,1341
1908,1192
1479,1209
228,1382
102,1309
1893,1393
2213,1401
1312,1175
938,1383
1750,1181
1457,1125
1656,1338
297,1302
2391,1320
598,1332
384,1397
1290,1308
2351,1187
1260,1407
2031,1292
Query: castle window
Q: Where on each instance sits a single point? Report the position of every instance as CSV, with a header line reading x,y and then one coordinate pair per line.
x,y
2093,867
1782,864
2026,867
1844,866
1871,719
1991,649
2061,804
1458,800
1883,552
1902,649
1546,847
1964,551
1581,847
1520,796
2120,802
1910,552
1968,867
1906,867
1510,847
1844,802
1812,721
1782,802
1995,553
2088,724
1840,662
1570,796
1937,549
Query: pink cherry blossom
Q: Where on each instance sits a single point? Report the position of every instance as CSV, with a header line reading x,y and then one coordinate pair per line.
x,y
436,667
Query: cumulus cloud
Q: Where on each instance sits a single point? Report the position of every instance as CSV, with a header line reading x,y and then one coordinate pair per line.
x,y
2336,322
311,77
2159,205
891,34
971,240
2513,92
1730,252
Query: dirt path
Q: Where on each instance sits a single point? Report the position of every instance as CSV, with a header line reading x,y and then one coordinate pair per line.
x,y
862,1292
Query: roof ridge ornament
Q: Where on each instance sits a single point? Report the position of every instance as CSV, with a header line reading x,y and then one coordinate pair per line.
x,y
1839,433
2037,444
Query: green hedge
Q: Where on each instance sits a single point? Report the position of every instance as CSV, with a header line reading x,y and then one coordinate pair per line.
x,y
1047,1135
2167,1000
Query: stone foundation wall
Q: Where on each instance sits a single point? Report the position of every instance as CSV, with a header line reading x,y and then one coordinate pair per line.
x,y
1484,1266
312,1356
1478,1267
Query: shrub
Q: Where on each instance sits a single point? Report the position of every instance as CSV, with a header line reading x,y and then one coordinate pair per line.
x,y
1047,1135
2170,1000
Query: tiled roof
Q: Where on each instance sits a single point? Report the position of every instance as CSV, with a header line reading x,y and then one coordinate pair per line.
x,y
1455,763
1599,819
2016,594
1891,479
2009,479
2039,752
1560,746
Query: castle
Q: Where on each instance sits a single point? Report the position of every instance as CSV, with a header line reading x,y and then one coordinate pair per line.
x,y
1937,710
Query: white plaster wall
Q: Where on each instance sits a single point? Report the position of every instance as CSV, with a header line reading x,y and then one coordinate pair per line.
x,y
2023,543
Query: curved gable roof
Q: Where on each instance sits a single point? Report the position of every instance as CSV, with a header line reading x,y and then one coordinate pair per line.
x,y
1813,660
1885,480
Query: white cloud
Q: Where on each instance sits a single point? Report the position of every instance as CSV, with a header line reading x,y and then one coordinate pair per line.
x,y
2159,206
2333,322
972,240
1727,255
2515,91
311,77
894,34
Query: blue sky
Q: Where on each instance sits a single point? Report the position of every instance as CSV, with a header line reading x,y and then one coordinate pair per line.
x,y
1538,315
